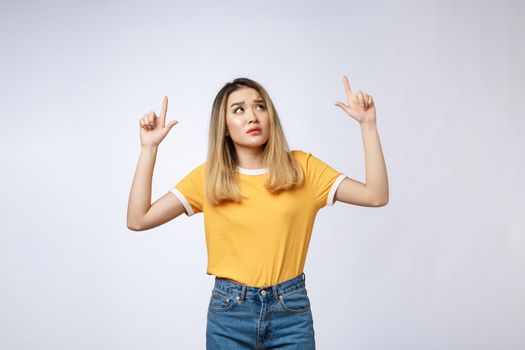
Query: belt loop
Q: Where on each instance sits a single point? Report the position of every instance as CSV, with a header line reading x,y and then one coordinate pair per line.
x,y
275,293
243,292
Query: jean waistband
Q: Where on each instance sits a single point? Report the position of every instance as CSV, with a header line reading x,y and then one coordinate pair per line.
x,y
244,291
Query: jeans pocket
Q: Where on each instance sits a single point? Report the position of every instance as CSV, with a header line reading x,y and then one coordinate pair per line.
x,y
221,301
296,301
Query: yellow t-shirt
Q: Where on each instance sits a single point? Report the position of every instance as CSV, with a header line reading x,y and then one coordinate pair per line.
x,y
263,240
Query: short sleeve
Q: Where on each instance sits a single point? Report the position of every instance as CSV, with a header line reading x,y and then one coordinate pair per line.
x,y
323,180
190,190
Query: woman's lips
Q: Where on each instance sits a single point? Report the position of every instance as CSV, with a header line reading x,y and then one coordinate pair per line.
x,y
255,132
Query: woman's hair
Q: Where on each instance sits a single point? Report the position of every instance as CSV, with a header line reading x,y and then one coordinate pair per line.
x,y
220,170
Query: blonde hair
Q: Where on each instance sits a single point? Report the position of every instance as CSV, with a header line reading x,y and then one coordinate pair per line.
x,y
220,171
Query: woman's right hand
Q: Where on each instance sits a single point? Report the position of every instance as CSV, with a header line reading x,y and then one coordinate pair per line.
x,y
152,128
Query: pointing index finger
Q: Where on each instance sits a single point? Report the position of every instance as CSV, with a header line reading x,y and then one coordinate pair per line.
x,y
348,89
164,109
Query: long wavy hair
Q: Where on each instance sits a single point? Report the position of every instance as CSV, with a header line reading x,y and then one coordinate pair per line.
x,y
221,163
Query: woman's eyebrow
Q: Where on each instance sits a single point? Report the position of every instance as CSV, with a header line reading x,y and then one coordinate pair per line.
x,y
242,102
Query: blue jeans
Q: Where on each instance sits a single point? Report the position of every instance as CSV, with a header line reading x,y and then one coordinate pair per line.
x,y
247,317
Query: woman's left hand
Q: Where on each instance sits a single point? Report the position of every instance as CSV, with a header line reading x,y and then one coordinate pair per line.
x,y
360,106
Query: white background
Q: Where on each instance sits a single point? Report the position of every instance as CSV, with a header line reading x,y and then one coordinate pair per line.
x,y
440,267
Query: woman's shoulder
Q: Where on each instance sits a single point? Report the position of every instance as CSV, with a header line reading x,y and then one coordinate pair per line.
x,y
300,154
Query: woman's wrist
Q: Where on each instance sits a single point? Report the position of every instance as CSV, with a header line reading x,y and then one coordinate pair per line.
x,y
149,148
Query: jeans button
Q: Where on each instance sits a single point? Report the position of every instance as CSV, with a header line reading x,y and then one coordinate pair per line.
x,y
263,292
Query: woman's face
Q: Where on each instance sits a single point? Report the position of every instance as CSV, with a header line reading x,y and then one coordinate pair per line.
x,y
245,110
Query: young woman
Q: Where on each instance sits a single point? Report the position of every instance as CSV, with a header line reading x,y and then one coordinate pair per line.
x,y
259,201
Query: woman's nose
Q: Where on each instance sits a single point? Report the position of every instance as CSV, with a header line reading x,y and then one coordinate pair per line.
x,y
252,115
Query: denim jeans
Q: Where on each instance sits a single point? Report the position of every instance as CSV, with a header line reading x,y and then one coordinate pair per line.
x,y
247,317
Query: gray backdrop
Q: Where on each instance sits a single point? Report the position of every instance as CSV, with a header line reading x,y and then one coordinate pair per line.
x,y
440,267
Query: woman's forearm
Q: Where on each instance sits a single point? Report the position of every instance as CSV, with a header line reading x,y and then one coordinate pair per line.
x,y
376,176
140,194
